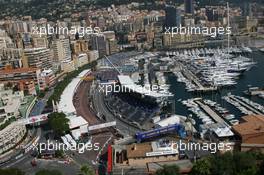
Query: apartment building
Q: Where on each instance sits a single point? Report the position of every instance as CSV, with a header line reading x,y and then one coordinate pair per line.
x,y
47,79
11,135
37,58
81,59
26,79
11,57
61,50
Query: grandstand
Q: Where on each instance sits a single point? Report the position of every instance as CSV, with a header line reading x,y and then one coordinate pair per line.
x,y
131,108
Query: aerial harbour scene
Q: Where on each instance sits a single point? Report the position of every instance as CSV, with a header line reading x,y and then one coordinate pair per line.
x,y
118,87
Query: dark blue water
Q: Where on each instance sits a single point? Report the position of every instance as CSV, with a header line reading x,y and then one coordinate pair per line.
x,y
253,77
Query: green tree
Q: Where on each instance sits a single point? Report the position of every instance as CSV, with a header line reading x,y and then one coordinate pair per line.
x,y
261,168
41,94
59,123
245,163
48,172
11,171
86,170
201,167
168,170
237,163
58,90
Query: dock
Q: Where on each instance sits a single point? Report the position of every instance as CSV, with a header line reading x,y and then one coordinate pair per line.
x,y
212,113
199,86
246,105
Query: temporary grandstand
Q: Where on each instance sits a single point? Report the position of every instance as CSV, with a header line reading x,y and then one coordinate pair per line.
x,y
66,101
131,108
128,83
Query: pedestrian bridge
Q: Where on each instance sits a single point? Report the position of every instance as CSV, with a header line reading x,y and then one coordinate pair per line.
x,y
35,120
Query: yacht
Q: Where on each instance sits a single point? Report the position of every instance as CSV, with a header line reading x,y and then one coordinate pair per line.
x,y
234,122
247,49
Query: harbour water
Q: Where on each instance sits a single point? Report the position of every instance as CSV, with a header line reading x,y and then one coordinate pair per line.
x,y
254,78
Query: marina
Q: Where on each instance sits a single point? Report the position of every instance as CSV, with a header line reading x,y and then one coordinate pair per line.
x,y
211,113
209,119
235,109
192,82
223,112
255,108
210,69
255,91
200,80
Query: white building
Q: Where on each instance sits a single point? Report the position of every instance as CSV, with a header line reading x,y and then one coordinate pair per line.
x,y
37,58
93,55
11,135
81,60
67,66
61,50
46,79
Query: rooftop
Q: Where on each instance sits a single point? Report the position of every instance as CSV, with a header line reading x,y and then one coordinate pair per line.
x,y
19,70
76,121
66,103
169,121
127,82
138,150
253,124
148,149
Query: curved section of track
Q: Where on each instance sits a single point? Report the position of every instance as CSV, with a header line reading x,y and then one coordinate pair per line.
x,y
82,104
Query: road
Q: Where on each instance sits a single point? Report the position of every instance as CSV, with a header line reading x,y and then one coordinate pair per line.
x,y
41,103
102,137
20,158
81,103
122,126
66,169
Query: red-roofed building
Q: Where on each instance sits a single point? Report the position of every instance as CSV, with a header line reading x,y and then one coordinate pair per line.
x,y
251,132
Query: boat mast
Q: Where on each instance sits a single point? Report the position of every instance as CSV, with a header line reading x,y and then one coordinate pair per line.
x,y
228,24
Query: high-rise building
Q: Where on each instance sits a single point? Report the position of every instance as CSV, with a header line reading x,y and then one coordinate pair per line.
x,y
79,46
98,42
188,4
61,50
178,17
111,46
111,43
170,16
93,55
81,59
37,58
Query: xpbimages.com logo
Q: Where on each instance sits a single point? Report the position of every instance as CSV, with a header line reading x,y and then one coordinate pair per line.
x,y
206,31
55,146
54,30
117,88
